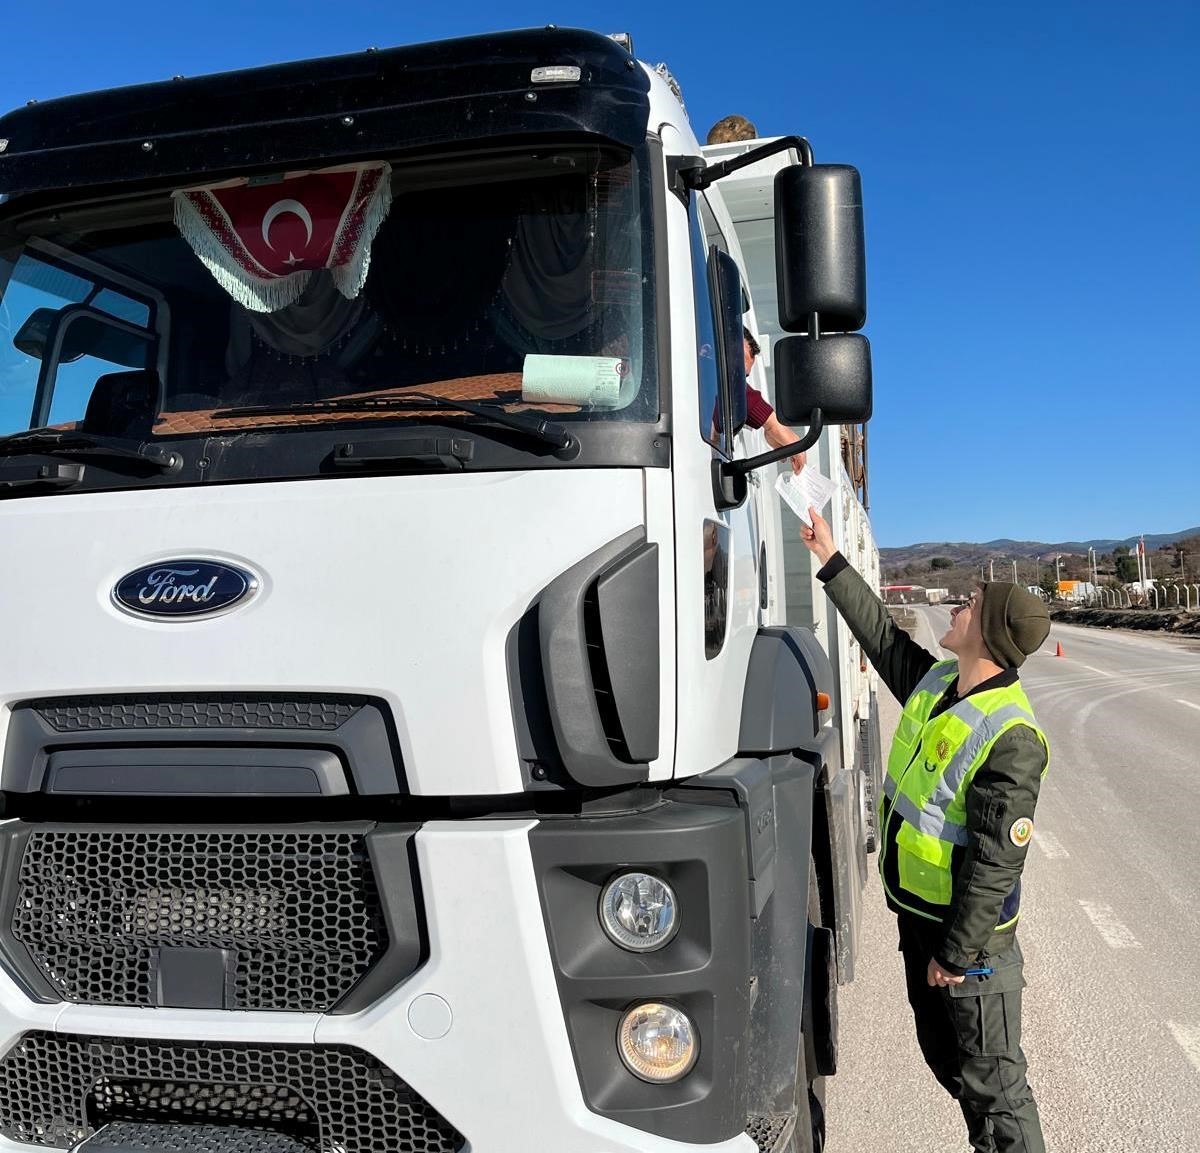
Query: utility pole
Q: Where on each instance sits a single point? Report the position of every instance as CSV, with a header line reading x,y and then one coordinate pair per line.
x,y
1057,569
991,570
1014,570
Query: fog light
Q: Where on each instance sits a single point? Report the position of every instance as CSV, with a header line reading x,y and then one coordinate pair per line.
x,y
658,1043
638,911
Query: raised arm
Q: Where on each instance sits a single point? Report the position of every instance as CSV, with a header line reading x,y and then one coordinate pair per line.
x,y
900,661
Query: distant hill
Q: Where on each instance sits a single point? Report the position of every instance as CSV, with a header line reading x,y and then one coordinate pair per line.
x,y
966,551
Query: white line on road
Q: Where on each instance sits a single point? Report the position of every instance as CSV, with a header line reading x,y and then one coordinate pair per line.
x,y
1189,1041
1092,670
1190,704
1115,932
1050,845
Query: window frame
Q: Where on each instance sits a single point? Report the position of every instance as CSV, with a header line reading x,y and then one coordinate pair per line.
x,y
102,278
705,309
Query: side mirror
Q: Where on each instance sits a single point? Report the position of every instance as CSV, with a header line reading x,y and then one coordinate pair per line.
x,y
88,333
832,374
35,335
820,250
725,285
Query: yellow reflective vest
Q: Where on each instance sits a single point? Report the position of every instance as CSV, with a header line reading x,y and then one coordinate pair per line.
x,y
930,769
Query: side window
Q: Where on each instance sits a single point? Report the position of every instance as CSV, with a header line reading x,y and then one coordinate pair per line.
x,y
712,399
96,328
712,230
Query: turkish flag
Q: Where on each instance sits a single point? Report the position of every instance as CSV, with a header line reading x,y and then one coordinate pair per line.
x,y
262,240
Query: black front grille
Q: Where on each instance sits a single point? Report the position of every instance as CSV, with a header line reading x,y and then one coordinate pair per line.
x,y
127,1137
296,912
768,1129
186,711
56,1089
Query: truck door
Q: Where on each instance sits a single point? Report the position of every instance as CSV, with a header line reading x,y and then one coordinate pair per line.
x,y
716,548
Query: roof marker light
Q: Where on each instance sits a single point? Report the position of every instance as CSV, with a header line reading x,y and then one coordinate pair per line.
x,y
555,74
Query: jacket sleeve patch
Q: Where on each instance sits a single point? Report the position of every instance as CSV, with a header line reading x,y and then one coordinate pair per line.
x,y
1020,832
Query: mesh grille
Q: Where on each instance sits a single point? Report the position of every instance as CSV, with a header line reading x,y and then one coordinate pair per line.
x,y
767,1129
297,911
56,1089
133,1138
83,714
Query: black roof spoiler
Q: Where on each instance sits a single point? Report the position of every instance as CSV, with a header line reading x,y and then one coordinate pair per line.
x,y
331,110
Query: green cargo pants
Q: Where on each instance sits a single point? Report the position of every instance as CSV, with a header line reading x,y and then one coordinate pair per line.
x,y
970,1036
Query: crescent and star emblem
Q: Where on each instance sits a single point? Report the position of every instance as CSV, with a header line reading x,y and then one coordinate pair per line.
x,y
281,208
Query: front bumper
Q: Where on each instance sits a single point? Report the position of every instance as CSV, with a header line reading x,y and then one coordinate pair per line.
x,y
477,1031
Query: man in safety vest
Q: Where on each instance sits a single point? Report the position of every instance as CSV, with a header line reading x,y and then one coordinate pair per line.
x,y
956,818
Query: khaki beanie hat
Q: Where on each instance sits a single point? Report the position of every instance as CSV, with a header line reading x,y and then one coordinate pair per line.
x,y
1014,622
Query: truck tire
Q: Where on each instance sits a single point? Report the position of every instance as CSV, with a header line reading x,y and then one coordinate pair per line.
x,y
820,1022
809,1134
818,1052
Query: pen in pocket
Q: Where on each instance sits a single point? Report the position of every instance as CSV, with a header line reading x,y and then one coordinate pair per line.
x,y
985,972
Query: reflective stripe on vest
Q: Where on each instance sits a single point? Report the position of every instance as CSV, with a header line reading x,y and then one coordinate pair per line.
x,y
930,769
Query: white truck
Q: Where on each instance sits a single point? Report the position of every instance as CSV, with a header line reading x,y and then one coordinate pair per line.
x,y
418,729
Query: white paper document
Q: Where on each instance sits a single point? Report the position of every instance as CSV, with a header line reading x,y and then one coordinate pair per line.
x,y
807,487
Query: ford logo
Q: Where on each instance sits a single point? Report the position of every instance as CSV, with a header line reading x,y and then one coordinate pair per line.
x,y
183,589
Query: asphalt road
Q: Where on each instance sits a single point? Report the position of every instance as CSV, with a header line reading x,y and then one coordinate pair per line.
x,y
1111,923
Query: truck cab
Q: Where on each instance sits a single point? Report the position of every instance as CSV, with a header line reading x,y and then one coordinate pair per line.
x,y
408,738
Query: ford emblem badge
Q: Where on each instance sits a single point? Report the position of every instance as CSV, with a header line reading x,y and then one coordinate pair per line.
x,y
183,589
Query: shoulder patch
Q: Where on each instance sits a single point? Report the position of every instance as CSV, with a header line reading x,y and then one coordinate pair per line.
x,y
1020,832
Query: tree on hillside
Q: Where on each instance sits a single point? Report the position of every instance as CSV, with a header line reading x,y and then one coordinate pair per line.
x,y
1126,565
1048,584
1074,567
1188,550
940,562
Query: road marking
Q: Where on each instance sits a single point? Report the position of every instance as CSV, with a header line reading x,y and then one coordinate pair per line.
x,y
1190,704
1050,845
1189,1041
1092,670
1115,932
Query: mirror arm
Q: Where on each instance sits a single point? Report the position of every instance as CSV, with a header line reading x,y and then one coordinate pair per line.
x,y
700,178
815,428
47,371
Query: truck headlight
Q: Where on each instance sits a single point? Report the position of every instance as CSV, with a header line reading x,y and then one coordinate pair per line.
x,y
657,1042
638,911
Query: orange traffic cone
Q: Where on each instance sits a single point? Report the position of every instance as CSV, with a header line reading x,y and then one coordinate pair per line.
x,y
1058,649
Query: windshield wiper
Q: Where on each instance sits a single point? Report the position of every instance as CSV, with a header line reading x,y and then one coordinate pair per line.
x,y
74,445
544,431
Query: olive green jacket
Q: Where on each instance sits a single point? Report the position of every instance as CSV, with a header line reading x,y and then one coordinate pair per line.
x,y
987,872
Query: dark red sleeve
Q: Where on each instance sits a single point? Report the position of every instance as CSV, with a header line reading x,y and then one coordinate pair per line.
x,y
758,411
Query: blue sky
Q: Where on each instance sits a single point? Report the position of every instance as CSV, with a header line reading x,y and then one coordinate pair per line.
x,y
1030,173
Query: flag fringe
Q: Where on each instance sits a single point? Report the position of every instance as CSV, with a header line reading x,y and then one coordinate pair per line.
x,y
256,295
275,293
351,277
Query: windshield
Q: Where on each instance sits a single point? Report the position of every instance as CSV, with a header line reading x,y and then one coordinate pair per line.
x,y
519,280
